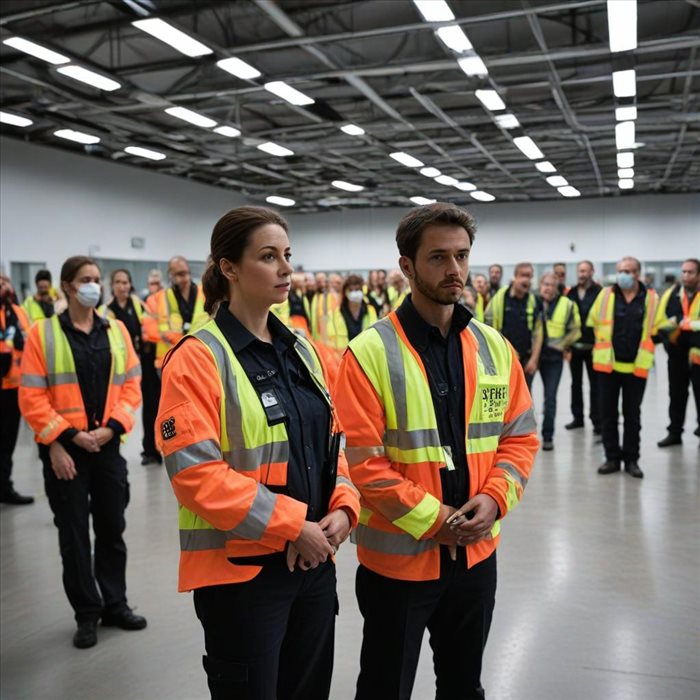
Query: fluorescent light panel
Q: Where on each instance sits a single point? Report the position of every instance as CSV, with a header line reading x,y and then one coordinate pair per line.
x,y
625,160
40,52
557,181
347,186
507,121
239,68
473,66
406,159
434,10
187,115
89,77
528,147
623,114
77,136
624,135
625,83
172,36
422,200
447,180
545,167
626,184
281,201
352,130
482,196
275,149
490,99
144,153
14,119
625,173
227,131
454,38
568,191
288,93
465,186
430,172
622,25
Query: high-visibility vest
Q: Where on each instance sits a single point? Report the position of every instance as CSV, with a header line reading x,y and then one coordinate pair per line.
x,y
49,395
495,310
9,346
138,309
170,323
602,317
283,313
322,306
401,502
564,327
396,298
338,329
479,308
33,309
690,320
251,448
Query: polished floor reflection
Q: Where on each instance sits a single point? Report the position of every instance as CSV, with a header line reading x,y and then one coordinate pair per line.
x,y
598,598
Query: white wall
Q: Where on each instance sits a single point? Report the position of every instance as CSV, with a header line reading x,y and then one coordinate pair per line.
x,y
54,204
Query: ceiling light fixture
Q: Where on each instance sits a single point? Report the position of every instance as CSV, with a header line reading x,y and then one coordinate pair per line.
x,y
625,184
40,52
528,147
454,38
446,180
557,181
624,135
347,186
625,160
89,77
144,153
490,99
625,83
288,93
172,36
625,173
465,186
77,136
507,121
275,150
568,191
187,115
422,200
482,196
434,10
239,68
545,166
473,66
407,160
430,172
352,130
624,114
229,131
14,119
622,25
281,201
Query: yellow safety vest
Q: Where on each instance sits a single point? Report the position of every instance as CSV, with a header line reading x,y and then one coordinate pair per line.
x,y
33,309
170,320
338,329
497,306
564,327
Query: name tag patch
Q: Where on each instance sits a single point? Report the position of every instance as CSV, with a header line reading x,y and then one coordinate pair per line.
x,y
494,400
167,428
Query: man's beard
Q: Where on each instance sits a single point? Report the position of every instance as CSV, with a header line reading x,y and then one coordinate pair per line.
x,y
439,295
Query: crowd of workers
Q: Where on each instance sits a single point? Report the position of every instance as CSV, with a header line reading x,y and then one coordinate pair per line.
x,y
247,417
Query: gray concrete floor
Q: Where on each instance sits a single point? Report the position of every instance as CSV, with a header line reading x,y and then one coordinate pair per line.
x,y
598,597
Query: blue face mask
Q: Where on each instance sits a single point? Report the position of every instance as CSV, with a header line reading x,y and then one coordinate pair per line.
x,y
625,280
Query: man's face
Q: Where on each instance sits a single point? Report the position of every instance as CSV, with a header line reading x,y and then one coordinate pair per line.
x,y
441,267
548,287
336,283
560,272
43,289
180,274
628,266
522,281
690,276
480,284
495,274
298,282
584,273
321,281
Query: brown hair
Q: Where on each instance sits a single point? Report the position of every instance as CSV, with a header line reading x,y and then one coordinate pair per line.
x,y
229,239
350,280
72,266
695,262
410,231
128,276
523,266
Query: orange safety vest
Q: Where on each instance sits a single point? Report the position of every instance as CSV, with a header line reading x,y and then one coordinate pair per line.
x,y
8,345
49,394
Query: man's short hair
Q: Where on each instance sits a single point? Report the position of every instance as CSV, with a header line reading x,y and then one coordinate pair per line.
x,y
410,231
586,262
695,262
500,267
42,276
629,258
523,266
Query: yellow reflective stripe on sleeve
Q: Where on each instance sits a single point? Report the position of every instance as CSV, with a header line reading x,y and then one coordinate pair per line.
x,y
365,515
420,518
480,445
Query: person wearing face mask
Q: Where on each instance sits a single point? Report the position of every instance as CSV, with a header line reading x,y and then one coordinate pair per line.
x,y
583,295
41,304
354,315
253,451
678,319
14,326
623,320
79,392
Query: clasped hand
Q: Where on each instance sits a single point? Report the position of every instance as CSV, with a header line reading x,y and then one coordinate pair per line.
x,y
318,541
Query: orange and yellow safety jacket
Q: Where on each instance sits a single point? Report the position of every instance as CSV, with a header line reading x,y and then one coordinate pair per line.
x,y
690,321
221,456
49,394
9,346
395,453
601,318
338,329
322,306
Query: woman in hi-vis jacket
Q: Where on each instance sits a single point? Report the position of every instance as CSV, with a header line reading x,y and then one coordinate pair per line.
x,y
252,447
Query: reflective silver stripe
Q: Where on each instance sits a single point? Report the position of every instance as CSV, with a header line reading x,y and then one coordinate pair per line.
x,y
482,430
524,424
256,521
484,351
35,381
381,484
390,542
397,377
305,352
73,409
57,379
510,469
355,455
135,371
412,439
344,481
50,349
249,459
198,540
190,456
118,379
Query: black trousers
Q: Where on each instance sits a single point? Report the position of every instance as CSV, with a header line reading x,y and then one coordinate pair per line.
x,y
632,389
457,610
9,427
271,637
150,391
680,376
579,359
100,489
524,359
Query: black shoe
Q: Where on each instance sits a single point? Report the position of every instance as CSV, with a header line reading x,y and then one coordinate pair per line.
x,y
574,424
16,499
86,635
632,468
125,619
547,445
609,467
670,440
597,430
151,459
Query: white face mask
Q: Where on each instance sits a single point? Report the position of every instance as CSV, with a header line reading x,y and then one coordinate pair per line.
x,y
355,295
89,294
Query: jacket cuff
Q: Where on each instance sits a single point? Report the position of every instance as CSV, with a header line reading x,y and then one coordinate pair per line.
x,y
116,426
66,437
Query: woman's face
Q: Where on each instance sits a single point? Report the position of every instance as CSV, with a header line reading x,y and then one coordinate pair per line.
x,y
121,286
263,275
87,273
